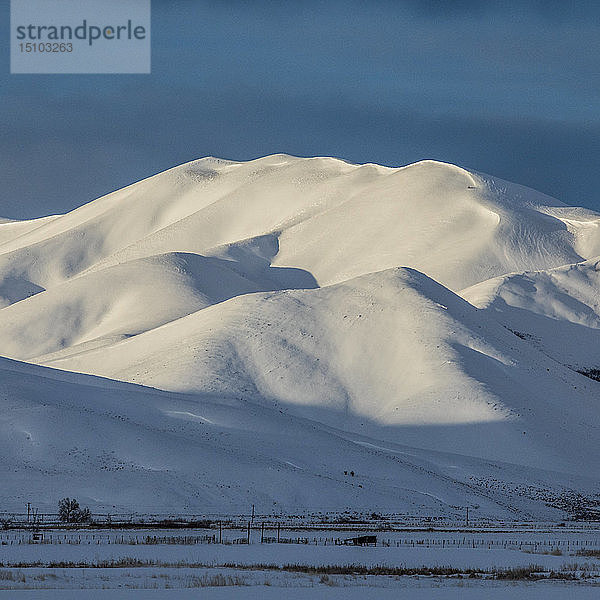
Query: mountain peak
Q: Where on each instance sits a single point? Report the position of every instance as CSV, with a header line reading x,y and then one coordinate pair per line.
x,y
223,302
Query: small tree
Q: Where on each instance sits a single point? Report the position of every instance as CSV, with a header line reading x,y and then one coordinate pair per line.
x,y
69,511
84,516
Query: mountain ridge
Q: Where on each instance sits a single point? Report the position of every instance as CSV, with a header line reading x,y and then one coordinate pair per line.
x,y
426,306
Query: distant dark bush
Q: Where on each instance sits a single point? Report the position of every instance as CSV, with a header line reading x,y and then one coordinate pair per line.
x,y
69,511
517,573
594,553
591,373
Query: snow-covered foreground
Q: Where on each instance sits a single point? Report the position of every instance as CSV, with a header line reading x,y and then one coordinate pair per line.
x,y
410,591
257,570
304,335
294,554
197,584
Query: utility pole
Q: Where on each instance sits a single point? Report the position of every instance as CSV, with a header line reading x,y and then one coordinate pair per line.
x,y
252,517
467,516
28,511
248,532
220,532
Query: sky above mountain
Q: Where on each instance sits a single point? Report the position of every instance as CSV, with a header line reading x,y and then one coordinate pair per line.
x,y
511,89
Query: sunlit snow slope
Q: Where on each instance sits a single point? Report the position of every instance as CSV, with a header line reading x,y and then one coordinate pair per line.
x,y
425,306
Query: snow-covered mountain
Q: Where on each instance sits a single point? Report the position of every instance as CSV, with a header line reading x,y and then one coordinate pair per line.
x,y
297,320
556,310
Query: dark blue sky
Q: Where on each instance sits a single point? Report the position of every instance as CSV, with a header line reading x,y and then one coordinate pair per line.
x,y
511,89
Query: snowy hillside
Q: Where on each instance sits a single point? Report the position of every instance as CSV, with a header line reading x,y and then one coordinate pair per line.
x,y
385,351
557,310
424,323
124,447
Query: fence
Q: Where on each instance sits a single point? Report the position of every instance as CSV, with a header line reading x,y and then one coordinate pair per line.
x,y
564,544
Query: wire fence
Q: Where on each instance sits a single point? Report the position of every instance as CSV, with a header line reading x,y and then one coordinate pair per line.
x,y
262,535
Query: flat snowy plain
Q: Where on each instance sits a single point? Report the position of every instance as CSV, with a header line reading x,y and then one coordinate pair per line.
x,y
110,563
409,592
